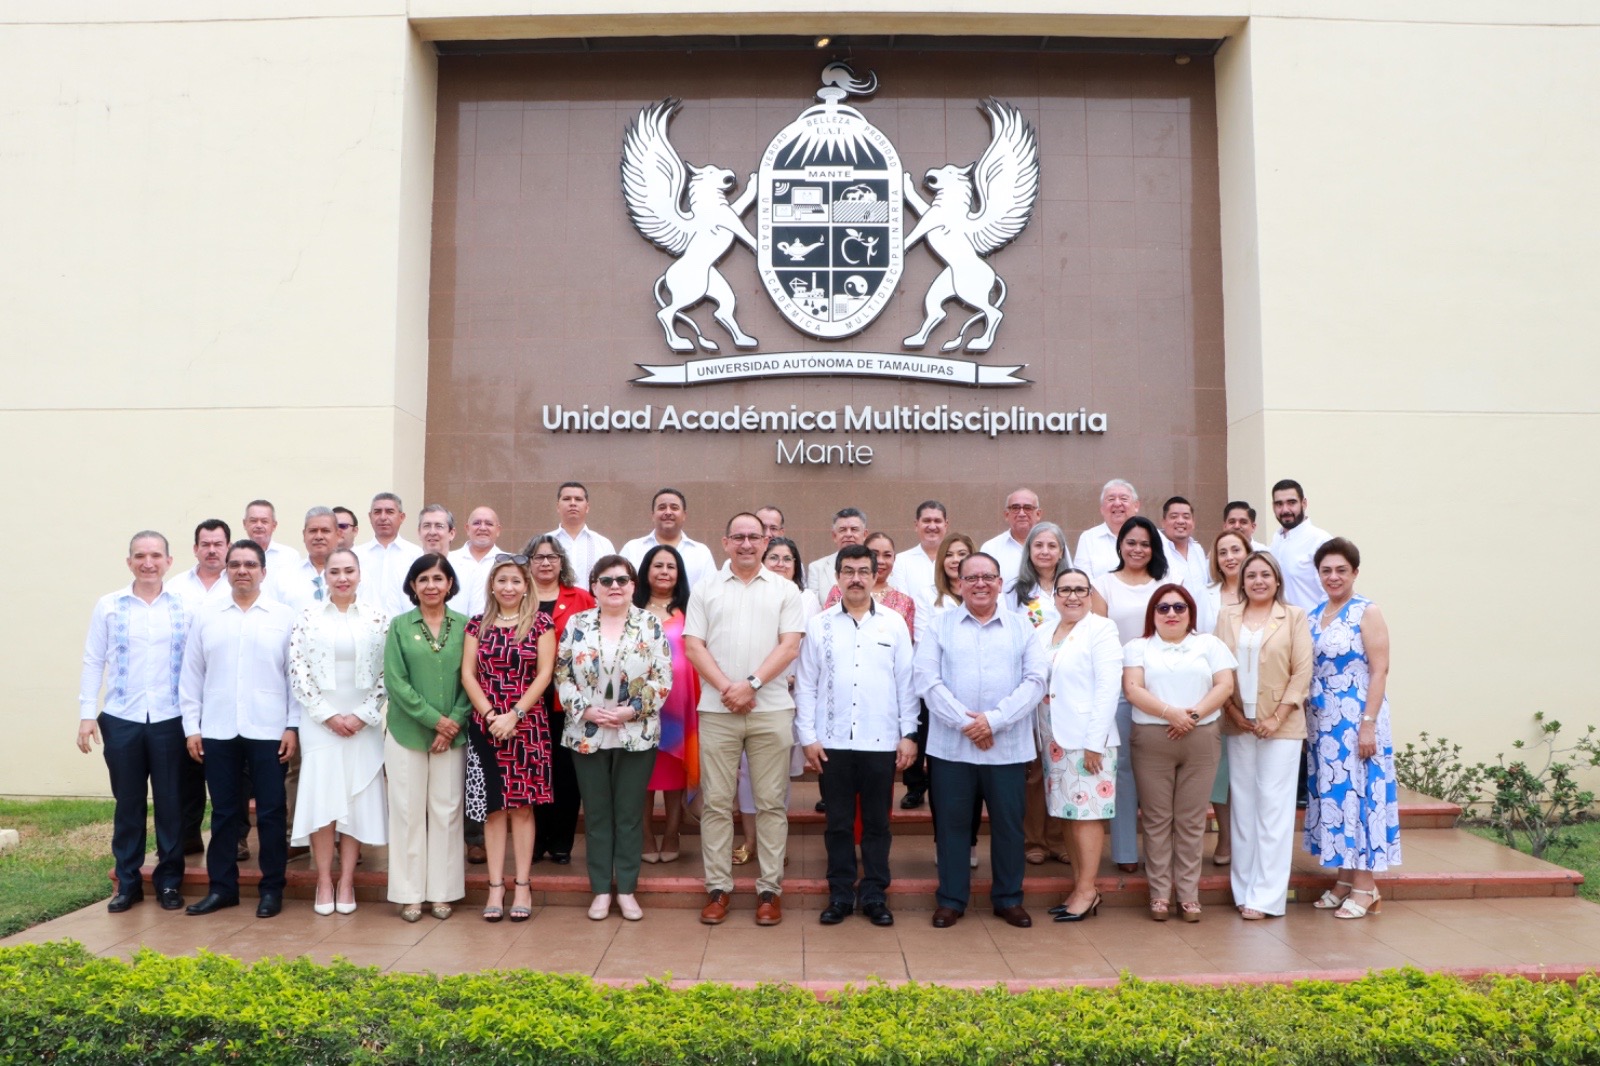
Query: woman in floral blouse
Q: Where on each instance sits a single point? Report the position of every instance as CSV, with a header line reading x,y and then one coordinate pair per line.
x,y
613,671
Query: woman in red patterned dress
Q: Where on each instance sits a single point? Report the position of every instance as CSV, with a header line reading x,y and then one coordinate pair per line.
x,y
506,667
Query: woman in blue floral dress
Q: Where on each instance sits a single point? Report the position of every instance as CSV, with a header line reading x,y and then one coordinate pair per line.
x,y
1353,818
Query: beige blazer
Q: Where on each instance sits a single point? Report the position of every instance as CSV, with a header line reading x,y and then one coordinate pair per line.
x,y
1285,674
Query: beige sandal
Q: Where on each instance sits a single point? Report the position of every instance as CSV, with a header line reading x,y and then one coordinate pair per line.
x,y
1329,901
1351,909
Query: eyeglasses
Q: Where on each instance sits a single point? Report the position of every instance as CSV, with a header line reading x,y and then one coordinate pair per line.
x,y
1021,508
614,580
546,557
346,525
1172,608
746,538
520,560
863,572
980,579
1071,591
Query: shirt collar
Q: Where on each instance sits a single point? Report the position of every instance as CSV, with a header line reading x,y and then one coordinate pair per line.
x,y
128,593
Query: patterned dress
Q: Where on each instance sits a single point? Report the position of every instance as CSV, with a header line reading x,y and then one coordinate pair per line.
x,y
1353,818
506,775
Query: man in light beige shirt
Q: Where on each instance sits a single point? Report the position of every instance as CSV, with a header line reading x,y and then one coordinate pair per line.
x,y
741,632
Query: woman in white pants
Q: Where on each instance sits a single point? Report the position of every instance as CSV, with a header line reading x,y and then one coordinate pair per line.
x,y
1264,725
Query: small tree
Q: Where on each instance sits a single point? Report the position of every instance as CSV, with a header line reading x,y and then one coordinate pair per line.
x,y
1435,769
1534,804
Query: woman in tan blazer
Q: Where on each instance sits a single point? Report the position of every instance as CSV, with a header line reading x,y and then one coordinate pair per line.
x,y
1264,726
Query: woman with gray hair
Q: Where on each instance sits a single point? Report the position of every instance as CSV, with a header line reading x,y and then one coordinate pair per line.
x,y
1032,595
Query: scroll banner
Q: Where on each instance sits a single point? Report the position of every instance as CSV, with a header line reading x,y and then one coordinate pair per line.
x,y
824,364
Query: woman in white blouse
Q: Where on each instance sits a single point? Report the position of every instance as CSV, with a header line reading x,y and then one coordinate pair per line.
x,y
1263,728
1078,720
336,672
1177,681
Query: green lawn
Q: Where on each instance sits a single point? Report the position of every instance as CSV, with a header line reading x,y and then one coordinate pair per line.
x,y
62,863
1581,853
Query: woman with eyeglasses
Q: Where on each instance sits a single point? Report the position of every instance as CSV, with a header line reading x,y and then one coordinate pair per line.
x,y
1263,726
663,589
560,595
1078,730
1353,819
507,662
1124,597
1177,680
614,669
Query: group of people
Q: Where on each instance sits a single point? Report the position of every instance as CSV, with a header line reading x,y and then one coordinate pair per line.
x,y
442,701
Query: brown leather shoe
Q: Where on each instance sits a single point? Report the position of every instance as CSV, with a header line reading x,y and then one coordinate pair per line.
x,y
477,854
769,911
1014,916
945,917
715,912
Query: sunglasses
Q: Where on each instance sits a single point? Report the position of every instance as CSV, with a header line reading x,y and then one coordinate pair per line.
x,y
520,560
614,580
1172,608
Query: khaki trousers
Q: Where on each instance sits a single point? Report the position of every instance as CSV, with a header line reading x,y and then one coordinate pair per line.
x,y
1039,830
1174,779
426,804
766,738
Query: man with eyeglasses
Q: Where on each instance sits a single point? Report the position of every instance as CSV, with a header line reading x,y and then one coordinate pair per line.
x,y
1097,546
849,527
1022,514
668,510
473,560
238,714
855,711
436,529
741,632
982,673
348,525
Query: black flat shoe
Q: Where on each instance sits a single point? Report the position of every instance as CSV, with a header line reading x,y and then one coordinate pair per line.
x,y
911,800
1078,916
878,913
169,898
561,858
271,903
212,902
834,913
821,807
123,900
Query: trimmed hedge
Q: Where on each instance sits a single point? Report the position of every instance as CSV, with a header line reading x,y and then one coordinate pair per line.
x,y
60,1004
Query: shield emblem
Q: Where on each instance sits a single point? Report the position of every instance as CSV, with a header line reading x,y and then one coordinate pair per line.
x,y
830,215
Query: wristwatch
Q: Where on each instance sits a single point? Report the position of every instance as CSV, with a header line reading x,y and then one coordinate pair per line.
x,y
755,682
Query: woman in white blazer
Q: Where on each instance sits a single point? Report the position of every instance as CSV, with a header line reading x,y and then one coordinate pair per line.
x,y
1079,733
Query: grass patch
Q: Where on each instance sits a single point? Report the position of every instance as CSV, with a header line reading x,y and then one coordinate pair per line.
x,y
61,864
1580,852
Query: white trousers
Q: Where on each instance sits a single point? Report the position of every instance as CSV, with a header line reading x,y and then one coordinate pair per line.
x,y
1261,810
427,860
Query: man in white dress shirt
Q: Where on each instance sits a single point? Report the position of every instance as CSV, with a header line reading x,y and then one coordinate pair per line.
x,y
134,647
260,522
668,509
1022,514
849,527
473,559
386,557
1097,546
771,521
436,529
584,547
238,713
302,584
349,526
1295,543
205,583
914,570
855,711
1187,564
1239,517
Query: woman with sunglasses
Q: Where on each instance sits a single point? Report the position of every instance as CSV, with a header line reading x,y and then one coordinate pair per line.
x,y
1079,733
1177,680
507,662
559,595
1124,597
614,670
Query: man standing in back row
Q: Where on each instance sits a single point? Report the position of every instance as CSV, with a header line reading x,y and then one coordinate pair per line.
x,y
1295,544
1022,514
584,547
668,510
387,557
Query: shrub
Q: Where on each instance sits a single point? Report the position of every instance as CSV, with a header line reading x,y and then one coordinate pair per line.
x,y
1532,803
1435,769
63,1005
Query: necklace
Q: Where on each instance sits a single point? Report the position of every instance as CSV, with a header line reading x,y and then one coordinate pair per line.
x,y
438,643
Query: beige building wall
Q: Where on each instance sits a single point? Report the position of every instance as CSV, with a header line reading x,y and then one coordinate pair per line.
x,y
215,277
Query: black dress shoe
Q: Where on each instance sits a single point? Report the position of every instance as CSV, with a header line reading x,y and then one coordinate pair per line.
x,y
194,846
877,913
945,917
911,800
561,858
271,903
169,898
123,900
1014,916
834,913
211,902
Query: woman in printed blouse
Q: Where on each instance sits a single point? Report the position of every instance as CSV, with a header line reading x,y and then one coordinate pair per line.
x,y
614,670
336,672
424,752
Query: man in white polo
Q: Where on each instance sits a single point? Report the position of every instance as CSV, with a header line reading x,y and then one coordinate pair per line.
x,y
741,632
668,509
584,547
1097,546
1295,544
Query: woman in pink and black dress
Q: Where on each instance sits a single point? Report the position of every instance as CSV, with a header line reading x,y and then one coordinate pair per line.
x,y
506,666
663,590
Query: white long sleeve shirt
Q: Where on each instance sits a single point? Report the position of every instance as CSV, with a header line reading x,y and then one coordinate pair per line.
x,y
1096,554
136,650
996,668
472,576
697,560
235,679
583,551
1294,550
914,574
1007,551
853,688
383,574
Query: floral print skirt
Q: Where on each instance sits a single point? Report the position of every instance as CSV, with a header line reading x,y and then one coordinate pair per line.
x,y
1072,792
